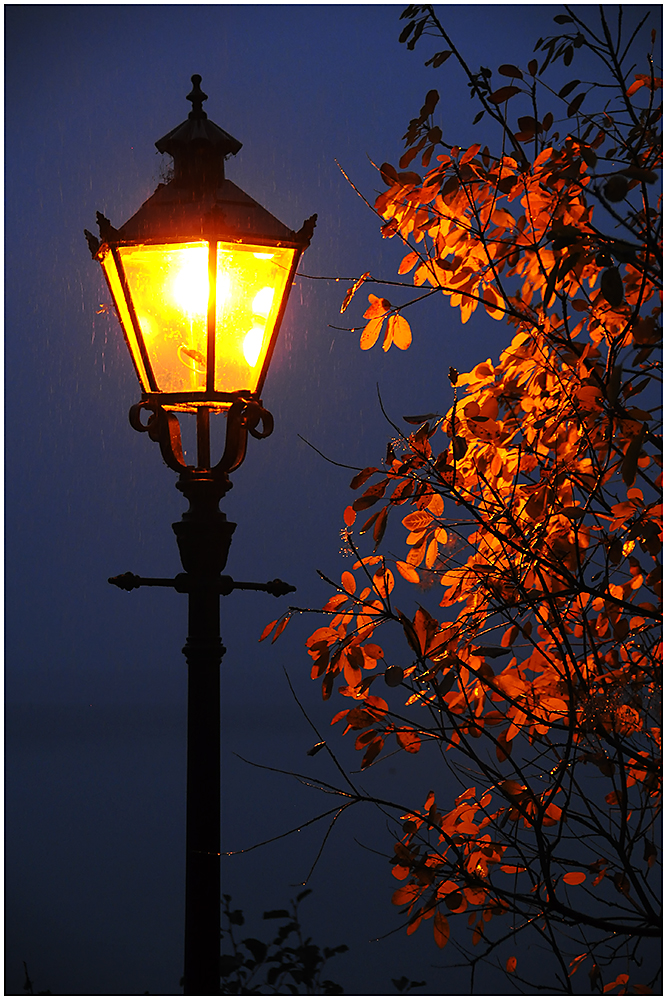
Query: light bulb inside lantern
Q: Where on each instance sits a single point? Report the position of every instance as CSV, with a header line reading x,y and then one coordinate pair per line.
x,y
252,345
190,285
262,302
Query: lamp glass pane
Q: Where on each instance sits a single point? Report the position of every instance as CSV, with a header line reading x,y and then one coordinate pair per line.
x,y
169,287
251,283
111,273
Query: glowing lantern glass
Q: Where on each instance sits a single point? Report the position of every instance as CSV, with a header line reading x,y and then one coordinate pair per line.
x,y
200,276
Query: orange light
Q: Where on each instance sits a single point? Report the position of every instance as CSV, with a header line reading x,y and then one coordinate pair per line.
x,y
200,317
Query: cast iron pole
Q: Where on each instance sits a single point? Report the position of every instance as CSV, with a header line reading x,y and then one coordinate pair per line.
x,y
204,536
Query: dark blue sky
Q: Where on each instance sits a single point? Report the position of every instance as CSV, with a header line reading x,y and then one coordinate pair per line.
x,y
95,678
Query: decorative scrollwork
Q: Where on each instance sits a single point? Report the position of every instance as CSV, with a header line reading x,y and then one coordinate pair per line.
x,y
162,427
243,417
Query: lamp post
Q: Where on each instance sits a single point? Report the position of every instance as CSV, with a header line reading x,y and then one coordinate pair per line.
x,y
200,277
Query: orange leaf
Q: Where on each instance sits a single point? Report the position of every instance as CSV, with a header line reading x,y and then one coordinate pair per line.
x,y
349,516
574,878
493,303
406,894
408,739
417,520
509,636
370,333
377,308
408,263
400,331
440,929
267,630
407,572
281,628
351,291
510,965
325,634
334,602
470,153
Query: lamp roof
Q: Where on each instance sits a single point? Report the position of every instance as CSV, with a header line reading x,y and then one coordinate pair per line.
x,y
197,132
224,211
198,202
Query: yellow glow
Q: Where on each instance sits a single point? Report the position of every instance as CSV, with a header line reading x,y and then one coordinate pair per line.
x,y
190,284
223,288
246,319
252,345
169,287
192,358
111,273
261,304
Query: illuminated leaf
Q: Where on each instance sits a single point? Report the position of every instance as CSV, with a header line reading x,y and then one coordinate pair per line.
x,y
493,303
348,582
440,929
408,572
408,740
620,980
377,307
470,153
282,625
370,333
417,520
510,965
408,263
400,332
574,878
267,630
351,291
334,602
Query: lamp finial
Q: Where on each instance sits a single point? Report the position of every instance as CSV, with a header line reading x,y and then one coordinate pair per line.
x,y
197,97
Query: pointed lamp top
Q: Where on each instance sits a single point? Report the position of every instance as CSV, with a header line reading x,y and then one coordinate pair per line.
x,y
198,146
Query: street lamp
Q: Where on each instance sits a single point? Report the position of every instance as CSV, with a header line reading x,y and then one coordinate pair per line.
x,y
200,277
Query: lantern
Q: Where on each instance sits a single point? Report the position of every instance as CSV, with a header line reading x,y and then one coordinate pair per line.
x,y
200,275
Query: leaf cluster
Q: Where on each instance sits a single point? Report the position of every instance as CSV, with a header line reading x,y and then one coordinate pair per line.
x,y
532,504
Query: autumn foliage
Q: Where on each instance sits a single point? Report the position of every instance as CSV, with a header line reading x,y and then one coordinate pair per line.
x,y
531,508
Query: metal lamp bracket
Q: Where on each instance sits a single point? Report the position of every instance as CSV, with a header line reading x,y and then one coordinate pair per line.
x,y
243,417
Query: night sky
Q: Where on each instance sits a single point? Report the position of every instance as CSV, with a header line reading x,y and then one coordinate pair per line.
x,y
96,681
